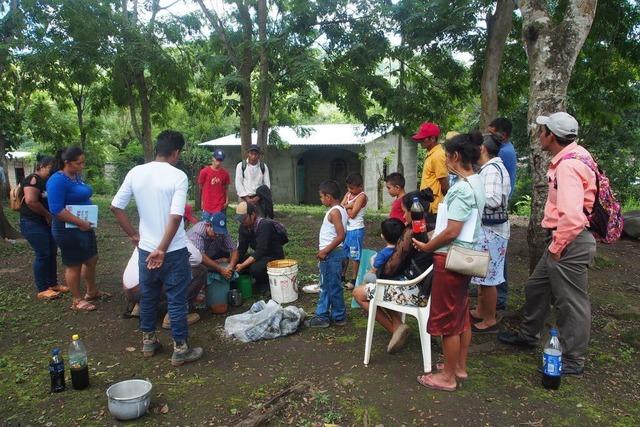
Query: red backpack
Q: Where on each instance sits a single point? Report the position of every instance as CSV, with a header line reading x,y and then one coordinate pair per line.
x,y
605,219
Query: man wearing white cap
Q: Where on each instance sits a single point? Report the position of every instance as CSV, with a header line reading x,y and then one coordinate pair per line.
x,y
560,276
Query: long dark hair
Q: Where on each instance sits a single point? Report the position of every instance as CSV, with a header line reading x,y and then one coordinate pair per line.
x,y
69,154
467,145
265,205
425,197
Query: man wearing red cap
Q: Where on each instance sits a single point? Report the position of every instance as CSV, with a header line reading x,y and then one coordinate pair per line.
x,y
435,174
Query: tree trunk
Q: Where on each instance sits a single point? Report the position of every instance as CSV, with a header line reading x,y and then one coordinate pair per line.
x,y
246,68
145,116
552,49
80,114
265,83
6,230
498,28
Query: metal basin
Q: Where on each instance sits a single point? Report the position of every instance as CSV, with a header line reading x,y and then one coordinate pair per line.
x,y
129,399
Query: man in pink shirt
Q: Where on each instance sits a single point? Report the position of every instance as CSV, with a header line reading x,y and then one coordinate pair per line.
x,y
561,275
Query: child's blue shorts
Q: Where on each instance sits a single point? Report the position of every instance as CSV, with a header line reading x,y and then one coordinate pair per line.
x,y
353,242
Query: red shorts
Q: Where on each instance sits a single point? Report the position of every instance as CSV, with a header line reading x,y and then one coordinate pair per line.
x,y
449,313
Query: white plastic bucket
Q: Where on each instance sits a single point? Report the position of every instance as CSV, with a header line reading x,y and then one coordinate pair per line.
x,y
283,280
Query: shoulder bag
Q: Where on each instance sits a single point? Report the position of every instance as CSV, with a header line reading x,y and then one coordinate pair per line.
x,y
467,261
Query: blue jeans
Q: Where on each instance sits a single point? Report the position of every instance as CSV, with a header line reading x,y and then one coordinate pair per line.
x,y
45,267
503,290
331,299
175,275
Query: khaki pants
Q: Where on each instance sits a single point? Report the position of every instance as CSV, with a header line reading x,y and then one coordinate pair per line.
x,y
564,284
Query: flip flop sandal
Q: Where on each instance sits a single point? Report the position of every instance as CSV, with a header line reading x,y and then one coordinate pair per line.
x,y
82,305
440,367
489,330
59,288
100,295
427,381
474,318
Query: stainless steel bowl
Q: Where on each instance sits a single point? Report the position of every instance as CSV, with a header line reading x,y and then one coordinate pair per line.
x,y
129,399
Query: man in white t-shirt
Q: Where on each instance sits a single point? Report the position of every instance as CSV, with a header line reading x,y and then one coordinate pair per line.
x,y
160,191
251,174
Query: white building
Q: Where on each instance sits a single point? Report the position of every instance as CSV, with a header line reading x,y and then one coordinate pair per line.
x,y
19,164
319,152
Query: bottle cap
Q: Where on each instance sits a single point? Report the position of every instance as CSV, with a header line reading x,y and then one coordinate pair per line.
x,y
554,332
55,351
75,337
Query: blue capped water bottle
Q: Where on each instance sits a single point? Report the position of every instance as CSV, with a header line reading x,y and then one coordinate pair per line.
x,y
552,362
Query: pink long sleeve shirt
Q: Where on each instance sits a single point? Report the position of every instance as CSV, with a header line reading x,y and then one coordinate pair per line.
x,y
572,188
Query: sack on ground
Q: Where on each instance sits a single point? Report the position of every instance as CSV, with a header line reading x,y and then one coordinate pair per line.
x,y
264,321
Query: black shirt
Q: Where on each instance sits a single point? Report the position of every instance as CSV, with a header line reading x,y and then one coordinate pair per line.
x,y
262,239
39,183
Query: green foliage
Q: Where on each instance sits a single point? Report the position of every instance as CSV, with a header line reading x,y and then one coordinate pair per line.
x,y
523,206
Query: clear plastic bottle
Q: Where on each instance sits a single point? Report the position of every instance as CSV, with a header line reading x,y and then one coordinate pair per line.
x,y
56,371
552,362
78,364
418,222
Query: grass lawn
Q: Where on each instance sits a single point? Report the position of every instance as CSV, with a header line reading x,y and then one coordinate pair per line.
x,y
234,379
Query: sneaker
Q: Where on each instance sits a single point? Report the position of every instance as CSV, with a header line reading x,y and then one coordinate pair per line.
x,y
349,286
48,294
318,322
342,322
311,289
150,344
182,353
514,338
398,339
191,319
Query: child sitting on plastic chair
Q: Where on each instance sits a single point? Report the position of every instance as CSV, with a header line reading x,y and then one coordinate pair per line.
x,y
392,229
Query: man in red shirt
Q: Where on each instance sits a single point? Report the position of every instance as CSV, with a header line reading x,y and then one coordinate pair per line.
x,y
214,182
561,276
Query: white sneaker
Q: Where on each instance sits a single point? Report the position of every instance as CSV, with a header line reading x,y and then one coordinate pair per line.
x,y
311,289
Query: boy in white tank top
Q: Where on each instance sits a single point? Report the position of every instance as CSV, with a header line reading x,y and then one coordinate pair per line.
x,y
331,306
355,202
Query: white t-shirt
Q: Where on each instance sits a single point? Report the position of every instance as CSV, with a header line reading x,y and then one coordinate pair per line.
x,y
160,190
131,274
253,178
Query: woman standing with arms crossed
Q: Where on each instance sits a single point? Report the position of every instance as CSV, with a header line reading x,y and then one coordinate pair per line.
x,y
78,245
449,312
35,226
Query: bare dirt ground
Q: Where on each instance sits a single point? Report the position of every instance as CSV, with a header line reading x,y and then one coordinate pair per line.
x,y
234,379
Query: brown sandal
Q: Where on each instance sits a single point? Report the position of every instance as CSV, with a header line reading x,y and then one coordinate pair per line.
x,y
99,295
59,288
82,305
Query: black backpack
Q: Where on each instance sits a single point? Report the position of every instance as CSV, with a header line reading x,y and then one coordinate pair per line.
x,y
244,167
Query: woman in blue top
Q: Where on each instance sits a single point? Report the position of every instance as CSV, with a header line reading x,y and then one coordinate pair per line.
x,y
449,312
77,245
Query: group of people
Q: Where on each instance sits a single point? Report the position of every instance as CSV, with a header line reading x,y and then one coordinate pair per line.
x,y
468,173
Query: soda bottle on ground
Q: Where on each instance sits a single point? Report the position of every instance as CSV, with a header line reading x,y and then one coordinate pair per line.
x,y
552,362
418,222
78,364
56,370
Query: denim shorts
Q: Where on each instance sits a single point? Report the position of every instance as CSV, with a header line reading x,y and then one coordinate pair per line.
x,y
353,243
76,246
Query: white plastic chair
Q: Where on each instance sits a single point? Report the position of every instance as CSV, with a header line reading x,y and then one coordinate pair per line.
x,y
420,313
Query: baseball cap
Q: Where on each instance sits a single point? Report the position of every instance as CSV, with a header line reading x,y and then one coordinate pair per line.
x,y
241,211
254,147
218,155
560,124
426,130
218,222
188,214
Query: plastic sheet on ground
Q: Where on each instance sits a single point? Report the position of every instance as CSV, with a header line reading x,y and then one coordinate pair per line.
x,y
264,321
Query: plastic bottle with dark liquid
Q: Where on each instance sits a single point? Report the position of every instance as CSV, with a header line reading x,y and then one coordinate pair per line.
x,y
78,364
56,371
552,362
418,222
